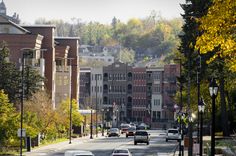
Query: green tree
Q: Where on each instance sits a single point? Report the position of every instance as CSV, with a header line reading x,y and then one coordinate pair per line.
x,y
192,10
10,76
9,122
63,115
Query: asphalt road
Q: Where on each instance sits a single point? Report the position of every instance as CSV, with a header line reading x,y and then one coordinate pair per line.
x,y
103,146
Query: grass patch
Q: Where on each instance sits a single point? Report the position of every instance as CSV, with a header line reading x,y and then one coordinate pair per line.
x,y
48,142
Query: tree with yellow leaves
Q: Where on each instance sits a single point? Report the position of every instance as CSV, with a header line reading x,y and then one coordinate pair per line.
x,y
218,29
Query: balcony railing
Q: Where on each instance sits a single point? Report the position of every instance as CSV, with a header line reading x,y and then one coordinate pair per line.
x,y
62,68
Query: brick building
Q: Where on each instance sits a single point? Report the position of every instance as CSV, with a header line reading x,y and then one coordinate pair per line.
x,y
85,88
40,40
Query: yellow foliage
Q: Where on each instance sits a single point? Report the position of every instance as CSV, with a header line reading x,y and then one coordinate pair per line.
x,y
218,28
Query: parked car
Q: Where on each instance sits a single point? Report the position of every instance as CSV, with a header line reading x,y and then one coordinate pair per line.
x,y
130,132
141,136
121,152
78,153
114,132
172,134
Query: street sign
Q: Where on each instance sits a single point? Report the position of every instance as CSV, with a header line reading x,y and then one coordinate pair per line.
x,y
23,133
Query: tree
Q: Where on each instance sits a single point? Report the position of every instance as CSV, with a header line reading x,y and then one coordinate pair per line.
x,y
192,10
218,36
39,116
63,113
9,121
127,55
218,41
11,77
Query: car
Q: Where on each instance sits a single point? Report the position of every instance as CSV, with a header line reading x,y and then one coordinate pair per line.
x,y
131,131
173,134
124,128
141,136
142,126
78,153
114,132
121,152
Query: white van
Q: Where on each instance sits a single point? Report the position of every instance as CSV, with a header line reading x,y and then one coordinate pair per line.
x,y
78,153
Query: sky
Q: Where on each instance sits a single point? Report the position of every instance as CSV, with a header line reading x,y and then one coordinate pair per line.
x,y
92,10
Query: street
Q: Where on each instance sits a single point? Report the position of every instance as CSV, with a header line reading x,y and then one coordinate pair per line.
x,y
103,146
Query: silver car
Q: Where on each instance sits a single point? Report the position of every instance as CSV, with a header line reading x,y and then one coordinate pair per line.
x,y
114,132
141,136
172,134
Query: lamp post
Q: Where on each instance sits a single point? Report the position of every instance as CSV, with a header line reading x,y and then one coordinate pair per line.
x,y
25,52
102,122
198,92
201,107
22,102
70,94
180,130
103,118
91,125
181,105
96,90
213,89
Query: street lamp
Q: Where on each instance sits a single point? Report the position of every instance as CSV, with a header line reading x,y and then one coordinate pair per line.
x,y
201,107
180,104
213,89
103,118
91,125
70,94
26,53
96,90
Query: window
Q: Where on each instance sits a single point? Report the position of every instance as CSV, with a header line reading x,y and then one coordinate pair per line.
x,y
157,102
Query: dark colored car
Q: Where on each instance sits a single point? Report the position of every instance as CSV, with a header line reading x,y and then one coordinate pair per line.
x,y
130,131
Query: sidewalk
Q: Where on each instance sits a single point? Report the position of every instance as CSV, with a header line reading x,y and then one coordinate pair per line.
x,y
44,149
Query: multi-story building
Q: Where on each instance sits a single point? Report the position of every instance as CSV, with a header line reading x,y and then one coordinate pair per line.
x,y
134,94
97,88
39,40
117,91
85,88
67,68
140,111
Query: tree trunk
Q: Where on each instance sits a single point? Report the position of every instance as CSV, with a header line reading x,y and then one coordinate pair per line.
x,y
224,113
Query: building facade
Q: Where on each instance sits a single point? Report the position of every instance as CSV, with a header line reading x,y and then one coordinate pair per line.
x,y
47,51
85,88
135,94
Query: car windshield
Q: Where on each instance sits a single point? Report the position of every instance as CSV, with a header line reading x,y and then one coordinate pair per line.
x,y
125,126
120,151
114,130
132,128
83,155
141,133
173,131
